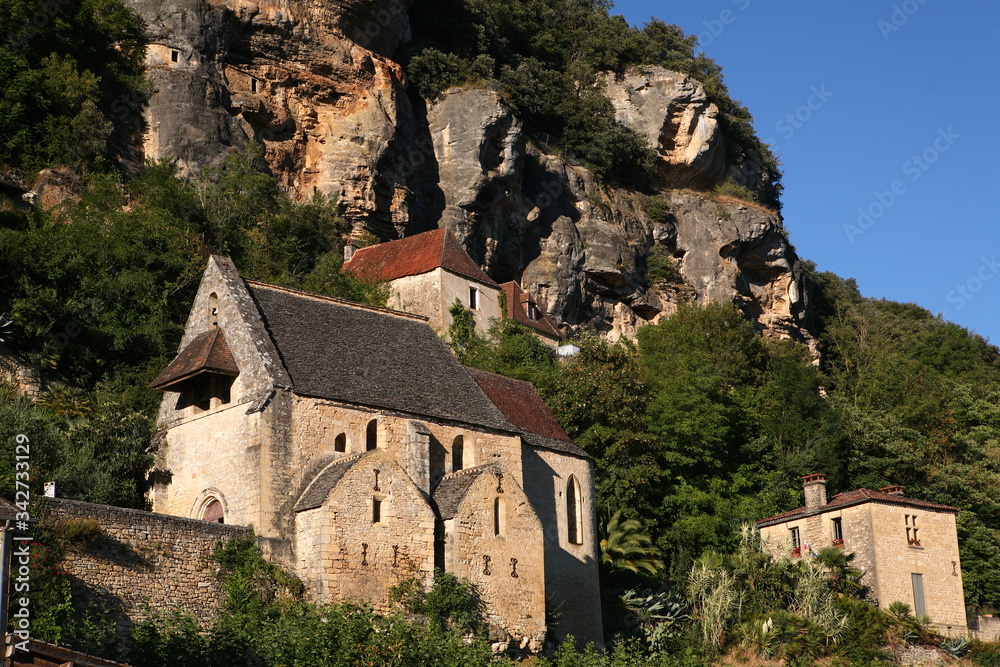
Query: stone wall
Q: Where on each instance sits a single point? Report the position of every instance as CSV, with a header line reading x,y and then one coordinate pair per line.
x,y
144,559
419,295
572,589
317,423
936,558
347,552
876,533
513,591
457,287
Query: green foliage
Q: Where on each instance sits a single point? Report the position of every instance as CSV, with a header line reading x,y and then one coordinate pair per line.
x,y
452,603
625,548
508,348
661,267
77,532
731,189
544,55
265,621
68,67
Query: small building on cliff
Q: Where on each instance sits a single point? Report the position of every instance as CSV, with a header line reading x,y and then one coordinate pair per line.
x,y
361,453
906,548
428,272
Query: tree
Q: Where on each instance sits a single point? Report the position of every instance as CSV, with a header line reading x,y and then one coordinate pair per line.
x,y
625,548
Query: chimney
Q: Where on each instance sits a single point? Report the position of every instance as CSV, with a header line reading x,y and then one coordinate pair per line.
x,y
895,490
350,248
815,488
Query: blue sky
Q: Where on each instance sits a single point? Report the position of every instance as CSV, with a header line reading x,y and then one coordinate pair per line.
x,y
885,115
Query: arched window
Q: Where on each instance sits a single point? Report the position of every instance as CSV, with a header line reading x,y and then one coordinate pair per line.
x,y
213,512
340,444
213,309
371,435
499,516
574,512
458,454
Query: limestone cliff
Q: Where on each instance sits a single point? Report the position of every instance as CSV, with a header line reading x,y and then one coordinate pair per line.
x,y
316,83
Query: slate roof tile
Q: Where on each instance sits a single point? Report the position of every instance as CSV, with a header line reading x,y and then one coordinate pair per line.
x,y
358,354
208,352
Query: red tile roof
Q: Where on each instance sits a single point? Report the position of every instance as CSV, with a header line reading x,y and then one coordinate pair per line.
x,y
520,403
857,497
517,310
207,353
415,255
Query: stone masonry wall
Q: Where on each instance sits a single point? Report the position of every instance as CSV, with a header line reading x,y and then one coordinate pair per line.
x,y
457,287
572,590
317,423
876,533
515,604
143,558
344,553
419,295
936,558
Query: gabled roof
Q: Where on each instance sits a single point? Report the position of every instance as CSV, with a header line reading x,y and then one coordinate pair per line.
x,y
453,488
858,497
517,310
207,353
524,408
415,255
319,488
358,354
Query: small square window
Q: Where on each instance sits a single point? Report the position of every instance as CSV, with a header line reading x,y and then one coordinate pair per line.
x,y
473,298
254,86
533,313
376,510
174,56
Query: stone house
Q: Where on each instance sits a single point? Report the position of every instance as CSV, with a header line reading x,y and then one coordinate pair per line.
x,y
907,548
427,272
361,453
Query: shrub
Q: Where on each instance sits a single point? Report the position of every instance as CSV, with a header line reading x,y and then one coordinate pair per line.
x,y
731,189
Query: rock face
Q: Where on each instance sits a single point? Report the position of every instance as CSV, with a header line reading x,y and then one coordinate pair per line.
x,y
672,112
582,249
313,82
317,85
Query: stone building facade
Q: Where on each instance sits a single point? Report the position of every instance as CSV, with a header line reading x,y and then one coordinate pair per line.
x,y
428,272
360,451
907,548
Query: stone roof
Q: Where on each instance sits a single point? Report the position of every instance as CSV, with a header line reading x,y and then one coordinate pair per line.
x,y
319,488
524,408
517,310
415,255
453,488
858,497
207,353
358,354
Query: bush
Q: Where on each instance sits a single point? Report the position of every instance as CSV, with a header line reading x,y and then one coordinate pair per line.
x,y
730,189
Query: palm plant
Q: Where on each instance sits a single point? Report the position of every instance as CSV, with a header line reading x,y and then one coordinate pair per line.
x,y
625,548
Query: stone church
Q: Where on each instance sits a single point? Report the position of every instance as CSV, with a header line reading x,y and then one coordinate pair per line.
x,y
362,452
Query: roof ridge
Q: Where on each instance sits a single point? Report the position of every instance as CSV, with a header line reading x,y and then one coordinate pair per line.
x,y
333,299
467,471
